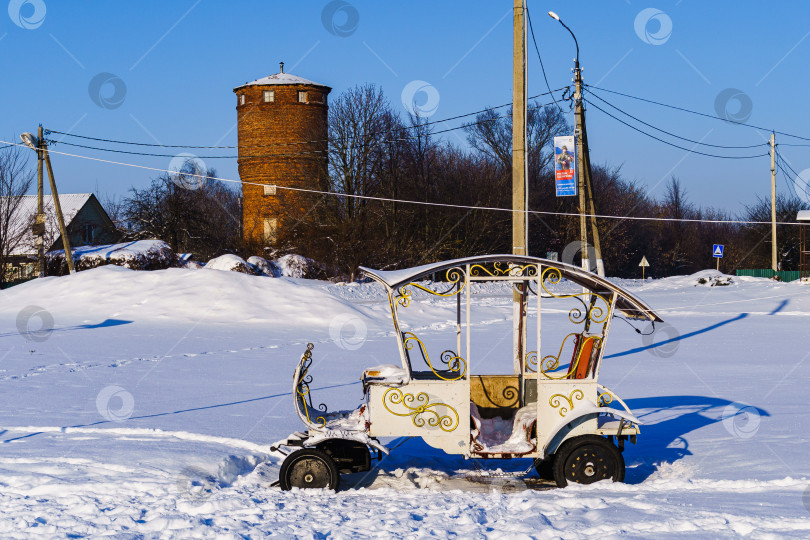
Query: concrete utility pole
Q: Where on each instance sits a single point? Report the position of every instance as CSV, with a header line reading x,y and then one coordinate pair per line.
x,y
39,223
519,192
519,216
774,265
58,207
583,227
597,246
584,184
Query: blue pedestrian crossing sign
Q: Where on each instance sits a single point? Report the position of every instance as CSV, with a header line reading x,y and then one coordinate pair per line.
x,y
717,251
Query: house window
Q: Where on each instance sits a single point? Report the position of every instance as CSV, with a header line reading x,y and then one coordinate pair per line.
x,y
270,229
269,190
302,97
241,99
268,96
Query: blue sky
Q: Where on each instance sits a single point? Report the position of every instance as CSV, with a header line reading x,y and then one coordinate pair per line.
x,y
180,60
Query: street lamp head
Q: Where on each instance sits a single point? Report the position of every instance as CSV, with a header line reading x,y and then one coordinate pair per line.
x,y
30,140
557,18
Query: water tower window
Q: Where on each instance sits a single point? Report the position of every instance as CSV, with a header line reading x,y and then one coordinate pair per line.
x,y
270,229
269,190
241,99
269,95
302,97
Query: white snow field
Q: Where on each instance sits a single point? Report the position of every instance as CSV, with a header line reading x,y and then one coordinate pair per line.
x,y
143,404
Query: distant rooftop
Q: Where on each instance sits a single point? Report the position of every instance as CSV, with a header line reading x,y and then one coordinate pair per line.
x,y
803,215
279,79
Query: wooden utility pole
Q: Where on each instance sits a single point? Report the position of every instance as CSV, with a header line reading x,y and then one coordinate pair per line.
x,y
519,215
58,207
774,264
39,221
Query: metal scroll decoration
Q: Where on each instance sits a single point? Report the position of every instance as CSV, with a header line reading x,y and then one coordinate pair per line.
x,y
455,364
604,399
595,314
455,278
503,270
420,409
530,362
556,401
302,388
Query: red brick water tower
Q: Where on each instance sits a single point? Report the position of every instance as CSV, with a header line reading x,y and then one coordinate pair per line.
x,y
282,130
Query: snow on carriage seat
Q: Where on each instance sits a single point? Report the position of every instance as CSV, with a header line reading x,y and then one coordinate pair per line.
x,y
356,420
499,436
385,374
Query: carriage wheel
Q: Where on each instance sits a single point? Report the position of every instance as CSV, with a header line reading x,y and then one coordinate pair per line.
x,y
587,459
309,468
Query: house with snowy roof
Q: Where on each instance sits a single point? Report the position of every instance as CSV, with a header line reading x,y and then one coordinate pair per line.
x,y
86,221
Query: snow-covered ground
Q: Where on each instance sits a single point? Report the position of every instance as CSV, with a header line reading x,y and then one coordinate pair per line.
x,y
145,403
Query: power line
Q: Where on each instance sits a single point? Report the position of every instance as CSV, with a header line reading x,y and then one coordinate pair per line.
x,y
293,143
537,49
288,154
781,162
713,117
669,143
673,134
405,201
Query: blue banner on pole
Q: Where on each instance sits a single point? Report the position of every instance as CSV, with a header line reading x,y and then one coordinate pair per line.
x,y
565,174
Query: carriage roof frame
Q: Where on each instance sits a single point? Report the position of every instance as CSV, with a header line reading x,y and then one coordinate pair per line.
x,y
627,303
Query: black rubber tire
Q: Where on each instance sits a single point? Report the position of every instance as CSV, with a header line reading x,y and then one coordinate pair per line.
x,y
587,459
309,469
545,468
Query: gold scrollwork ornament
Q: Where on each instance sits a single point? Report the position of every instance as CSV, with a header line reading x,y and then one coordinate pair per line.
x,y
556,401
418,407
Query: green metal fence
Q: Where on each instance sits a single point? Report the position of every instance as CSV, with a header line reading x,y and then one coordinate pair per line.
x,y
784,275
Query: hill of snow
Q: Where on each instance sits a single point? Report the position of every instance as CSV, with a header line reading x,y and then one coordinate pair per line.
x,y
144,404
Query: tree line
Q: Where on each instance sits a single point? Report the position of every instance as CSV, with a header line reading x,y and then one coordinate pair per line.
x,y
377,153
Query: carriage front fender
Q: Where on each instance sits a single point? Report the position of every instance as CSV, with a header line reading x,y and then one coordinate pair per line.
x,y
576,424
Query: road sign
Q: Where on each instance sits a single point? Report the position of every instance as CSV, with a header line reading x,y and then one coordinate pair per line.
x,y
717,251
643,264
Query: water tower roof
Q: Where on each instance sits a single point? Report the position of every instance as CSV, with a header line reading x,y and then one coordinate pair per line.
x,y
281,78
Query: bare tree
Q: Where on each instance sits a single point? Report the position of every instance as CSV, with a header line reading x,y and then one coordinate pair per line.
x,y
16,178
190,214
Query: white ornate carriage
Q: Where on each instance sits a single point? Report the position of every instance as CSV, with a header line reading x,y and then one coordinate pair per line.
x,y
551,408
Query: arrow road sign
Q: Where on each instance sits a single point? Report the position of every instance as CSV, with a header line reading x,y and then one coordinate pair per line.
x,y
717,251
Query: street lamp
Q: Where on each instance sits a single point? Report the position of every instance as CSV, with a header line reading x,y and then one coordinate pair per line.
x,y
30,140
557,18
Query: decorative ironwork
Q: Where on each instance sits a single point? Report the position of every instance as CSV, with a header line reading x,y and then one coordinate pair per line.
x,y
455,278
419,406
556,401
498,270
455,363
530,362
604,399
595,313
302,388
